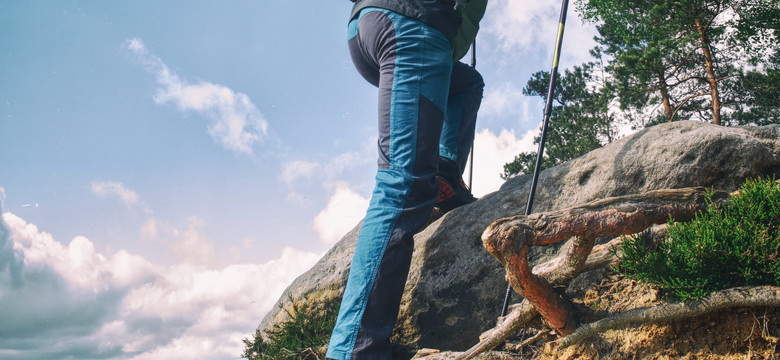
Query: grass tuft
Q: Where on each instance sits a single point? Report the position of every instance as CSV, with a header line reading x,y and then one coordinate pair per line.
x,y
304,335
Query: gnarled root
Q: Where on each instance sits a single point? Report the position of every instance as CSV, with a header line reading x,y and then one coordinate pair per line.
x,y
761,296
556,271
508,240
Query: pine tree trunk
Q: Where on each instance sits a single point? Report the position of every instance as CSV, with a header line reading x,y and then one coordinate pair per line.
x,y
665,98
709,65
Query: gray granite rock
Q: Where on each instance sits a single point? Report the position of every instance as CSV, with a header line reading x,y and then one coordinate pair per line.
x,y
455,289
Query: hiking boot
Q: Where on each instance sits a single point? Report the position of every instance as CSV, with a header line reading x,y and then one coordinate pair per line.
x,y
453,192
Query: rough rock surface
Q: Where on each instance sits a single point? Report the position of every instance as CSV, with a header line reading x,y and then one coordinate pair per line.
x,y
455,288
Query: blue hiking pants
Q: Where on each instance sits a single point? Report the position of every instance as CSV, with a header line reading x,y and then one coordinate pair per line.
x,y
411,65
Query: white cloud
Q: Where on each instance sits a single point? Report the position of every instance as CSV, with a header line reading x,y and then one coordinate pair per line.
x,y
192,246
504,100
10,257
326,175
236,123
518,27
294,170
104,188
328,170
343,162
150,230
117,190
491,152
520,24
76,302
344,210
185,246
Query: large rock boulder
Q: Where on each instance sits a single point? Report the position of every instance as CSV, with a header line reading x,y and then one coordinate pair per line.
x,y
455,289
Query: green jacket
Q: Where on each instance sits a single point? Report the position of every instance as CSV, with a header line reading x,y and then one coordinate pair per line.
x,y
471,14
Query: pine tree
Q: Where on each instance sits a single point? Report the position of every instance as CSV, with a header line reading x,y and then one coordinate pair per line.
x,y
680,54
581,119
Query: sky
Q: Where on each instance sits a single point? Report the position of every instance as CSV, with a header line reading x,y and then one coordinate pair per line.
x,y
167,168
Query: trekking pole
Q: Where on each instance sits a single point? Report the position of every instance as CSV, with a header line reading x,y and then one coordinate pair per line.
x,y
547,111
471,153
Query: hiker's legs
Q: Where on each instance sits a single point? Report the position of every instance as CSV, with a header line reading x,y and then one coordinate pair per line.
x,y
465,96
411,64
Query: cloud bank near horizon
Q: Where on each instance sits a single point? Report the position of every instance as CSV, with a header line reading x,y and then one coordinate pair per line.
x,y
72,301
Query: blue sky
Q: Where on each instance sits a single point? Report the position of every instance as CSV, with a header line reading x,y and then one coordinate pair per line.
x,y
167,168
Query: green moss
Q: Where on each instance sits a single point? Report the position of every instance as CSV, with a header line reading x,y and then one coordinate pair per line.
x,y
728,245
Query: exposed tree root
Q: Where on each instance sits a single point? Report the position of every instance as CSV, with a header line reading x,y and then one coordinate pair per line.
x,y
522,313
508,240
761,296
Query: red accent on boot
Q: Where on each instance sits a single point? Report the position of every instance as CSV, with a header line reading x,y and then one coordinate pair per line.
x,y
445,190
